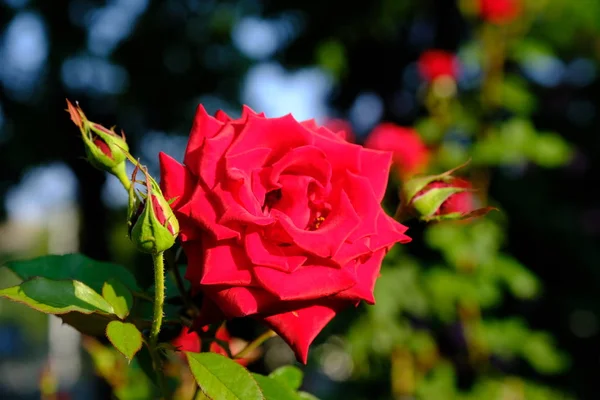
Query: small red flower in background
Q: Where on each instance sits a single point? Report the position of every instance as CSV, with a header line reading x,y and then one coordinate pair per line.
x,y
190,341
434,64
187,341
341,128
499,11
410,155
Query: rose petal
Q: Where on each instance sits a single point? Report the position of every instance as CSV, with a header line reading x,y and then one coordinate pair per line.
x,y
248,112
211,165
202,208
222,116
306,283
342,156
375,166
187,341
366,275
365,203
222,264
389,231
303,161
176,182
310,124
300,327
327,239
239,185
204,127
263,252
247,161
351,250
241,301
235,214
268,133
294,199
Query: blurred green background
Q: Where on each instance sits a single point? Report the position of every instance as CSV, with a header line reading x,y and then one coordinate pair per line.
x,y
503,308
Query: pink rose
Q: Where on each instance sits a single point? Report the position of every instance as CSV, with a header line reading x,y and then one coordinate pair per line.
x,y
410,155
280,220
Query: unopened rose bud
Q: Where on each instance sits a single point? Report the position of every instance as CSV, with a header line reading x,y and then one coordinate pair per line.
x,y
440,197
105,149
153,227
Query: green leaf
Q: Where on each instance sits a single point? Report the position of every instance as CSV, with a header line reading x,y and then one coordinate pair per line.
x,y
76,267
118,296
125,337
274,389
288,375
88,324
57,297
222,378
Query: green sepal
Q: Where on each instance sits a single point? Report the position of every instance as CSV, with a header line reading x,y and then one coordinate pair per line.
x,y
146,231
413,186
428,203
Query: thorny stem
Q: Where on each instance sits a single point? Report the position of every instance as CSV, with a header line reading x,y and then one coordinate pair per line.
x,y
159,296
159,300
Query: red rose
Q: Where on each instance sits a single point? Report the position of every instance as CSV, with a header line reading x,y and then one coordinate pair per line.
x,y
434,64
280,221
342,128
410,155
190,341
499,11
187,341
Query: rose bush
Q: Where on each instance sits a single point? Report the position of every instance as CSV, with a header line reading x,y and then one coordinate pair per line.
x,y
280,220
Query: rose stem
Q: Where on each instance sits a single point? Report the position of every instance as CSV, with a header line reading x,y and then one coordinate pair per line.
x,y
254,344
159,300
120,173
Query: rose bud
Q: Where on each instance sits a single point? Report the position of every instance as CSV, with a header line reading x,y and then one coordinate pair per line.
x,y
435,64
440,197
105,149
410,155
499,11
153,227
